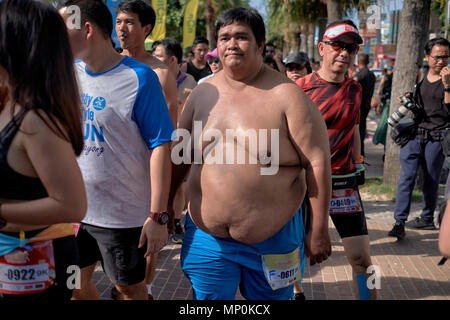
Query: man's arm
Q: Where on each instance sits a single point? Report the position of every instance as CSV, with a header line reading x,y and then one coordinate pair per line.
x,y
445,76
280,65
180,170
169,87
444,233
356,144
309,134
155,234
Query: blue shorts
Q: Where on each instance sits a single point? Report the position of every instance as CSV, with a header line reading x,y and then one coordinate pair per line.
x,y
217,266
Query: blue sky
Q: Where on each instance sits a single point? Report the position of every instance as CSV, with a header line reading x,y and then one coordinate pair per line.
x,y
259,5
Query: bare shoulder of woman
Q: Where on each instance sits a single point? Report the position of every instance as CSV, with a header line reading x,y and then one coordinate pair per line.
x,y
38,122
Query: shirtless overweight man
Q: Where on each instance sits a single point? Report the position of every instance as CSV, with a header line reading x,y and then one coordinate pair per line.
x,y
244,227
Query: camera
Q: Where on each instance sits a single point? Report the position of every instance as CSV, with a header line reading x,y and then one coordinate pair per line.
x,y
407,104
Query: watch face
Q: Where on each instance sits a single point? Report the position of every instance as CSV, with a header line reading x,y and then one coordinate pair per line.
x,y
163,218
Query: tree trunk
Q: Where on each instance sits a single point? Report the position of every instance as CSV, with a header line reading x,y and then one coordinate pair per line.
x,y
311,31
334,10
210,26
413,33
304,37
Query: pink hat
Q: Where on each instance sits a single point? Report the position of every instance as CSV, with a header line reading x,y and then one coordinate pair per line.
x,y
212,55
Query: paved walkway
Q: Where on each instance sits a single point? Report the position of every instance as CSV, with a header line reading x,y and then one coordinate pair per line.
x,y
408,268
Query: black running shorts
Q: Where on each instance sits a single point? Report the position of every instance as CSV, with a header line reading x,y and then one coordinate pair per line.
x,y
117,249
350,224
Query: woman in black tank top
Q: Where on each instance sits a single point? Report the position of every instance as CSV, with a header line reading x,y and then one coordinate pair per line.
x,y
40,137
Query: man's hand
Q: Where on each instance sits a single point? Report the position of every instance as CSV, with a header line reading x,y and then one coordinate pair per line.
x,y
445,76
399,98
317,246
156,236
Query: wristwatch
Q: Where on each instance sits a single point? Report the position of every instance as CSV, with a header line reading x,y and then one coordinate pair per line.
x,y
160,217
447,89
2,221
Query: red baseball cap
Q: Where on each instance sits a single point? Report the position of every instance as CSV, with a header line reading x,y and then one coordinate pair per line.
x,y
342,31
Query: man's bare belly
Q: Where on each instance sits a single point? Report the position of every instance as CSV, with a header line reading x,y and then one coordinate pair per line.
x,y
237,201
14,227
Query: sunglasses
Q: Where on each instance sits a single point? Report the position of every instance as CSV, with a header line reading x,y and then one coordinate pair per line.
x,y
339,46
214,61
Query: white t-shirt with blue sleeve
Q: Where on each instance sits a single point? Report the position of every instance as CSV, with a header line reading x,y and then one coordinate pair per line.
x,y
124,116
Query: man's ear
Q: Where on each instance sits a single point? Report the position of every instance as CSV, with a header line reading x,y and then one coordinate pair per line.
x,y
88,30
173,59
321,49
261,47
148,29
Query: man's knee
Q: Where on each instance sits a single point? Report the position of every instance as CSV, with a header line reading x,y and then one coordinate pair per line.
x,y
358,253
359,261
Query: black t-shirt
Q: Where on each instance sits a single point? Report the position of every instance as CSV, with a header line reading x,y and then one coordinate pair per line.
x,y
198,73
366,79
437,115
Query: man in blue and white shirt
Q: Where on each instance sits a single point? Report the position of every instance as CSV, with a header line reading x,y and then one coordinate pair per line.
x,y
127,133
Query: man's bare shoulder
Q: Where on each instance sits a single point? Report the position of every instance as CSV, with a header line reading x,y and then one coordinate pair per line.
x,y
279,84
190,81
156,64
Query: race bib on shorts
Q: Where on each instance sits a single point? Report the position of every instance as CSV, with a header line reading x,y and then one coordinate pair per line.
x,y
345,201
28,270
281,270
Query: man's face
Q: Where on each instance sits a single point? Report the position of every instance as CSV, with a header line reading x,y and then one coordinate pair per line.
x,y
335,58
161,54
237,45
77,37
129,30
200,50
270,51
295,71
438,58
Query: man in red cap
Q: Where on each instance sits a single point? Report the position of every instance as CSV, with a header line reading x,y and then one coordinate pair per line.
x,y
339,98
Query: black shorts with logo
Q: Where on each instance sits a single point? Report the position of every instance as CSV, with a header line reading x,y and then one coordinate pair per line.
x,y
117,250
349,224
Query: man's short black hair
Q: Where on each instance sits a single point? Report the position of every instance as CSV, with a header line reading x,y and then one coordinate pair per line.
x,y
248,16
364,58
172,48
145,12
270,44
200,39
436,41
94,11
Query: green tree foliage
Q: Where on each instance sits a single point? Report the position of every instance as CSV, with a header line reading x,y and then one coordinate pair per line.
x,y
438,6
289,14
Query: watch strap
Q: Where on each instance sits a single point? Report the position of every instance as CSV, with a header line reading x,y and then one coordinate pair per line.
x,y
154,216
